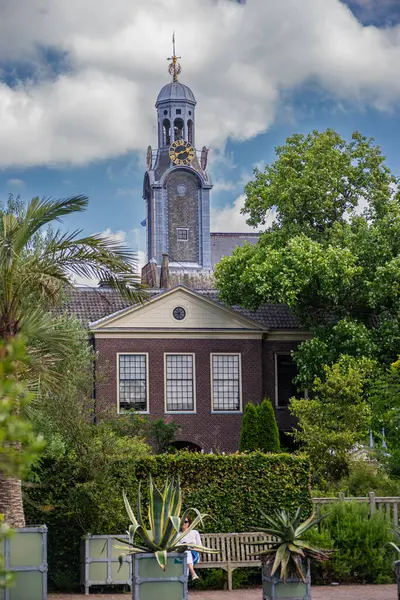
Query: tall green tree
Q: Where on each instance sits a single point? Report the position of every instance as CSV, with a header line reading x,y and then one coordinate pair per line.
x,y
36,267
249,440
330,249
336,419
268,434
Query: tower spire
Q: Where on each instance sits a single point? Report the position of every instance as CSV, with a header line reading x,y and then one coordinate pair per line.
x,y
174,68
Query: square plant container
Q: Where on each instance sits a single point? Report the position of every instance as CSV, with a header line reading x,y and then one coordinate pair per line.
x,y
25,556
150,582
100,565
293,589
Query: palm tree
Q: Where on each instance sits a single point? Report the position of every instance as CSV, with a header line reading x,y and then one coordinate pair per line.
x,y
35,271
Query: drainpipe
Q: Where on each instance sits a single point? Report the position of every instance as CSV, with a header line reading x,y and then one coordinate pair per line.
x,y
92,341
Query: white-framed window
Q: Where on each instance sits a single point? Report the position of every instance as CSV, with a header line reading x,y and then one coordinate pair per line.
x,y
226,382
285,372
182,234
133,389
180,393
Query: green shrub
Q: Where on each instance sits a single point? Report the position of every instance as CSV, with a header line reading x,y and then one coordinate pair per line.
x,y
249,433
358,540
268,434
230,488
364,476
394,463
163,433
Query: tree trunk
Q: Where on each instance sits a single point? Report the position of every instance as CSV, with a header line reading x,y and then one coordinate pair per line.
x,y
11,501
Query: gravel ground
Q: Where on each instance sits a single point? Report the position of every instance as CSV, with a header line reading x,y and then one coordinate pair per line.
x,y
340,592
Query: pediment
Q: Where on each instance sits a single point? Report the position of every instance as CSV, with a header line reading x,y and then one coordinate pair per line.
x,y
200,313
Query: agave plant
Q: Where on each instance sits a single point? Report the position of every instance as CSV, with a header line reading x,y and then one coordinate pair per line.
x,y
395,547
165,522
289,552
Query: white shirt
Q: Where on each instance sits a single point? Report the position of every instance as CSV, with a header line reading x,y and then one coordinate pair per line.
x,y
192,538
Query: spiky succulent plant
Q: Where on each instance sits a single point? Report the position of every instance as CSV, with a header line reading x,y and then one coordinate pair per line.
x,y
289,552
165,524
393,545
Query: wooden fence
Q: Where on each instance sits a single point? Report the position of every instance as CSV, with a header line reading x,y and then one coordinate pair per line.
x,y
387,504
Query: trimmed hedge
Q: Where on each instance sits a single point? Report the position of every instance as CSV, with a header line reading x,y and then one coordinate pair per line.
x,y
230,488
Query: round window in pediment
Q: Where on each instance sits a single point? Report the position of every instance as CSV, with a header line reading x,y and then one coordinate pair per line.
x,y
179,313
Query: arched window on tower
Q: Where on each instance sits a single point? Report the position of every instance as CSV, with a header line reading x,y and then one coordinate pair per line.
x,y
190,131
166,132
178,129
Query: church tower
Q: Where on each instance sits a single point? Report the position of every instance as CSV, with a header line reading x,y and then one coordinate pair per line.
x,y
176,183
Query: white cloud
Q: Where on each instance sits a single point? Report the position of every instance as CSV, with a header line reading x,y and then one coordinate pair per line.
x,y
239,60
16,183
125,192
116,236
141,259
229,218
86,281
220,185
131,239
260,165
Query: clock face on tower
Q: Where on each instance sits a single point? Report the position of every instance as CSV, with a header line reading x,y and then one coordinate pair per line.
x,y
181,152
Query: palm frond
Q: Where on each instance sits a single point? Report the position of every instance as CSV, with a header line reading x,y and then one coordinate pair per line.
x,y
41,212
35,269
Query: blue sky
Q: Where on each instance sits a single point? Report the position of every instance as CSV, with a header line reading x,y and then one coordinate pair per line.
x,y
77,98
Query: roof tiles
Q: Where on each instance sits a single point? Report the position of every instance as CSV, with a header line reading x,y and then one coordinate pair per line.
x,y
92,304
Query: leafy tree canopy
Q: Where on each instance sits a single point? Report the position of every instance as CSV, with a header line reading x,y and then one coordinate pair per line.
x,y
336,419
330,249
332,252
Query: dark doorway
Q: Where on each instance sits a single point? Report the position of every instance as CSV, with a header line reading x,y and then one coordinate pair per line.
x,y
186,446
287,442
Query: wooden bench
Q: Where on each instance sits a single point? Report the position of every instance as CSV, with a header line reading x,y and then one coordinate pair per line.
x,y
100,567
233,551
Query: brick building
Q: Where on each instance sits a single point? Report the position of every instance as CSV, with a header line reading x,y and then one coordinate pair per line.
x,y
184,354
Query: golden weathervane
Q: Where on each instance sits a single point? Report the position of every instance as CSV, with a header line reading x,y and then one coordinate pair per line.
x,y
174,68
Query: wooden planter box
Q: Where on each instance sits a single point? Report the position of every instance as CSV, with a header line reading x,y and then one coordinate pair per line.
x,y
293,589
25,555
150,582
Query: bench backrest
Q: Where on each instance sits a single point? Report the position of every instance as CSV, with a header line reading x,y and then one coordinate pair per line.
x,y
233,547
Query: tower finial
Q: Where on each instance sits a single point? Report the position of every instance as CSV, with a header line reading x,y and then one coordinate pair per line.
x,y
174,68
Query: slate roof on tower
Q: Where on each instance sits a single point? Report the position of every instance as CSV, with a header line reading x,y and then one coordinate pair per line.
x,y
175,90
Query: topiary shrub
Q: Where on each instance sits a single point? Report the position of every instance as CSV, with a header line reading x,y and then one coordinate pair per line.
x,y
249,433
268,434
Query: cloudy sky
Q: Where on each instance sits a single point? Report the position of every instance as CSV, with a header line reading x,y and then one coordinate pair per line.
x,y
78,82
